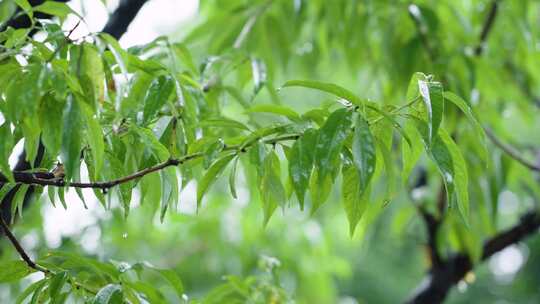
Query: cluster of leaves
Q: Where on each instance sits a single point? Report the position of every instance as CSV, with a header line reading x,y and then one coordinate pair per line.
x,y
113,114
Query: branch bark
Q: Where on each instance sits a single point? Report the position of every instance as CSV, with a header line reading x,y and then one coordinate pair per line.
x,y
486,28
441,279
122,17
48,179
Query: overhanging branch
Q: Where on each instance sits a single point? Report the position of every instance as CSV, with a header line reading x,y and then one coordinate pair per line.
x,y
435,287
48,179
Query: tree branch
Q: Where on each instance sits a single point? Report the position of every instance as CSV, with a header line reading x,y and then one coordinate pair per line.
x,y
122,17
486,29
511,151
435,287
48,179
19,248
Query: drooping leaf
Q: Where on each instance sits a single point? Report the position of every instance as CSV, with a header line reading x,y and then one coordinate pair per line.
x,y
468,111
6,146
432,95
157,96
51,122
355,196
330,141
95,139
110,294
170,191
301,163
327,87
212,152
461,176
71,137
319,189
211,175
56,284
232,178
12,271
92,74
410,153
363,150
270,186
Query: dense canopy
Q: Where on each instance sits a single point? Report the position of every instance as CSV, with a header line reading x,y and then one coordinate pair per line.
x,y
276,151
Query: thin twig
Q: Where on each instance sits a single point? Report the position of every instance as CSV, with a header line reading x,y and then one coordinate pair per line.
x,y
33,180
19,248
511,151
486,29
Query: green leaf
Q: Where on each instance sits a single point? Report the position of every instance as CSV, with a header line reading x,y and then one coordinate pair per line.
x,y
468,111
212,152
169,190
159,92
327,87
442,157
151,188
232,178
355,196
172,278
390,171
6,146
151,142
13,271
92,74
363,150
18,200
461,176
270,186
55,8
330,141
410,153
71,137
110,294
26,7
432,95
224,123
258,71
52,123
4,190
275,109
34,288
56,284
301,163
319,190
211,175
95,139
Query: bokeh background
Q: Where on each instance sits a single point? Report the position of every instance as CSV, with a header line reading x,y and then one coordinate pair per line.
x,y
373,47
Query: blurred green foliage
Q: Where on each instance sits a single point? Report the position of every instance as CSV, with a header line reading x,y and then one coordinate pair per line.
x,y
224,85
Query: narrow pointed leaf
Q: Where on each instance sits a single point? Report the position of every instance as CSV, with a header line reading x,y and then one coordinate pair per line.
x,y
432,95
363,150
355,197
328,88
211,175
301,163
461,176
270,187
330,141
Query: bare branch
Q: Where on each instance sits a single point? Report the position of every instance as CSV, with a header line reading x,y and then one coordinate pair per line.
x,y
19,248
486,29
122,17
441,279
511,151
